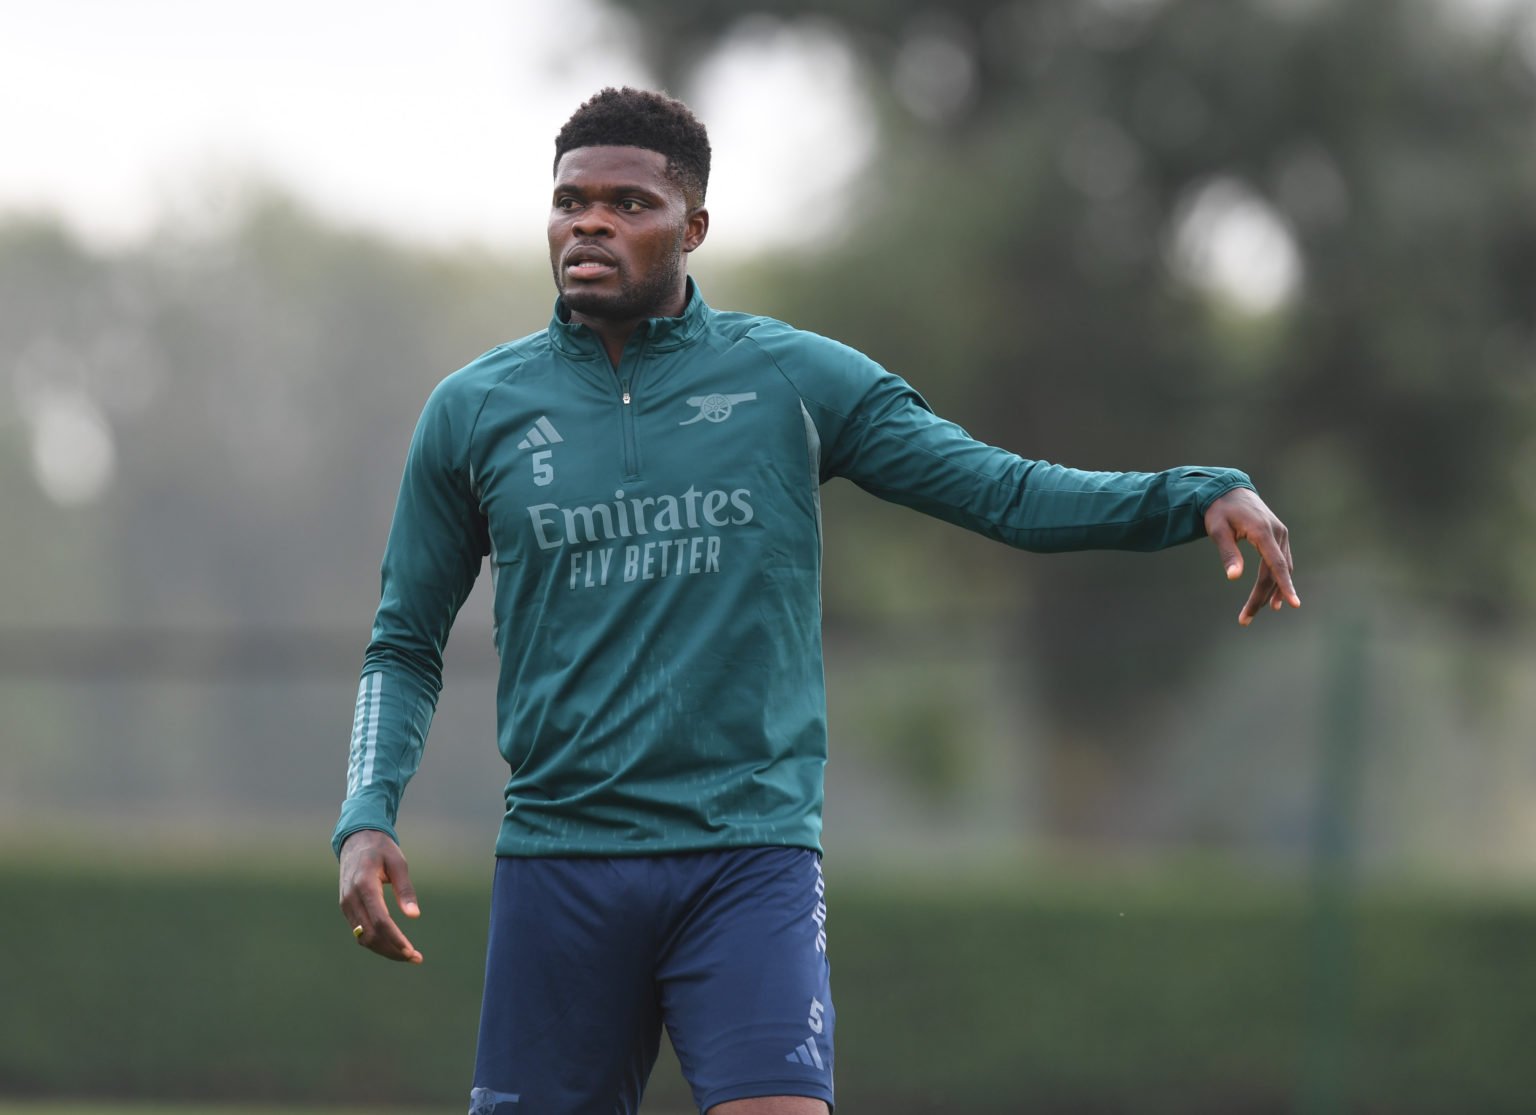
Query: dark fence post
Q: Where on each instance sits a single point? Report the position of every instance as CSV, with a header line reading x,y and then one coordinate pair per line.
x,y
1325,1083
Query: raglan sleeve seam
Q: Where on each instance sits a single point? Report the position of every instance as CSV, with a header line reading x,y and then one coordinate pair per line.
x,y
800,393
474,424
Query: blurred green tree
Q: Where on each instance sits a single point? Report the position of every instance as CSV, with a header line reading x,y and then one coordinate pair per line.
x,y
1296,238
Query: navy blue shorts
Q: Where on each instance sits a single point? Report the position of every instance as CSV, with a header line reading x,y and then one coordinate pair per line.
x,y
589,957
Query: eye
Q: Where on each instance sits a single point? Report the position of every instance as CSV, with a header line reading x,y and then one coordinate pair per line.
x,y
631,205
565,204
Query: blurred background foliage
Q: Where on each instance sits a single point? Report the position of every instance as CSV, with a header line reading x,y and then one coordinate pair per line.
x,y
1294,237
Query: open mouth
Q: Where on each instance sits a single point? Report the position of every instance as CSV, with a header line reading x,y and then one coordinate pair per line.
x,y
589,263
589,269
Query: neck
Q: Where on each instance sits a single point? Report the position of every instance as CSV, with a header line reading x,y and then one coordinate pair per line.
x,y
614,333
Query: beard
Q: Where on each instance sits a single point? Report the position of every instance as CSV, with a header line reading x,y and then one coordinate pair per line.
x,y
635,298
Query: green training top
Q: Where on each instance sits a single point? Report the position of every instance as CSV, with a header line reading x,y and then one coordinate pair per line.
x,y
654,536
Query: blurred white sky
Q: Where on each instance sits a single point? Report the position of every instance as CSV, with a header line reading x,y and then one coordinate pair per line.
x,y
433,122
436,124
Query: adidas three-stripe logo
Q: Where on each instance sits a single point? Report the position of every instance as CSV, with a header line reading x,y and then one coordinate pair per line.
x,y
543,433
806,1053
485,1101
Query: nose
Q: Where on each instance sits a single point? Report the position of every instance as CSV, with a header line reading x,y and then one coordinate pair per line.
x,y
592,221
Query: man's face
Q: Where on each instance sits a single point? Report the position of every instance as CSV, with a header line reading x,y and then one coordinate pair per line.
x,y
618,231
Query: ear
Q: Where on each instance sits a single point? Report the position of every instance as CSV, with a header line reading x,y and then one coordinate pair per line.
x,y
695,228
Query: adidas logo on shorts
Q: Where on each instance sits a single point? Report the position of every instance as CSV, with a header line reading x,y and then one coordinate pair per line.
x,y
485,1101
806,1053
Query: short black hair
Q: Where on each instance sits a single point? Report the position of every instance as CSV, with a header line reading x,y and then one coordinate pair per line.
x,y
640,118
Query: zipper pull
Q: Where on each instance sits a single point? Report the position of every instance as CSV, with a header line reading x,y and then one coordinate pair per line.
x,y
625,388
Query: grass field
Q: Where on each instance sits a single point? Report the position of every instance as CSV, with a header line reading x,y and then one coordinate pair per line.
x,y
101,1108
194,1109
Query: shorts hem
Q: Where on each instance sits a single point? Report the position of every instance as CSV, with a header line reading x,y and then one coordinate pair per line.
x,y
760,1088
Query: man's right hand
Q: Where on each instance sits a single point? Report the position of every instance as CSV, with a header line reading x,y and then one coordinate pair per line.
x,y
370,859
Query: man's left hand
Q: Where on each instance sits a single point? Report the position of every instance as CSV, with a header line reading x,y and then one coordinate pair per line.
x,y
1242,514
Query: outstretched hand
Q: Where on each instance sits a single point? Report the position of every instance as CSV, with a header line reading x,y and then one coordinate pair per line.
x,y
370,859
1239,515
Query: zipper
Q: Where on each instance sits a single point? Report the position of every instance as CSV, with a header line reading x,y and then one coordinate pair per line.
x,y
627,415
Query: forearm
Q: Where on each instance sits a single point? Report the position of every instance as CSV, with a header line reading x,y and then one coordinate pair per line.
x,y
1056,509
389,731
436,543
935,467
882,435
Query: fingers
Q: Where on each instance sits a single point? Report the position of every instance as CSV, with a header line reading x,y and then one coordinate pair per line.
x,y
1274,548
369,861
1239,515
1269,591
1264,593
1226,547
405,893
381,934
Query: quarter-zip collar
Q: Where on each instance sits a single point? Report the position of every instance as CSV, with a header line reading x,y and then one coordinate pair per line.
x,y
659,334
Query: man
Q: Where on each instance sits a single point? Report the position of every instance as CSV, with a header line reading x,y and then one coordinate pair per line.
x,y
644,477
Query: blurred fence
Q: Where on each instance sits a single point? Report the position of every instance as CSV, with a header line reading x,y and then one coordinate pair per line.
x,y
942,745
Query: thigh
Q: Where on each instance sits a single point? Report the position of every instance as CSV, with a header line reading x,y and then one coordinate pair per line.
x,y
773,1105
569,1023
744,978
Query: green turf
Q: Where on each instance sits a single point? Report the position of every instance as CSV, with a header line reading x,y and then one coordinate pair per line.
x,y
102,1108
41,1107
